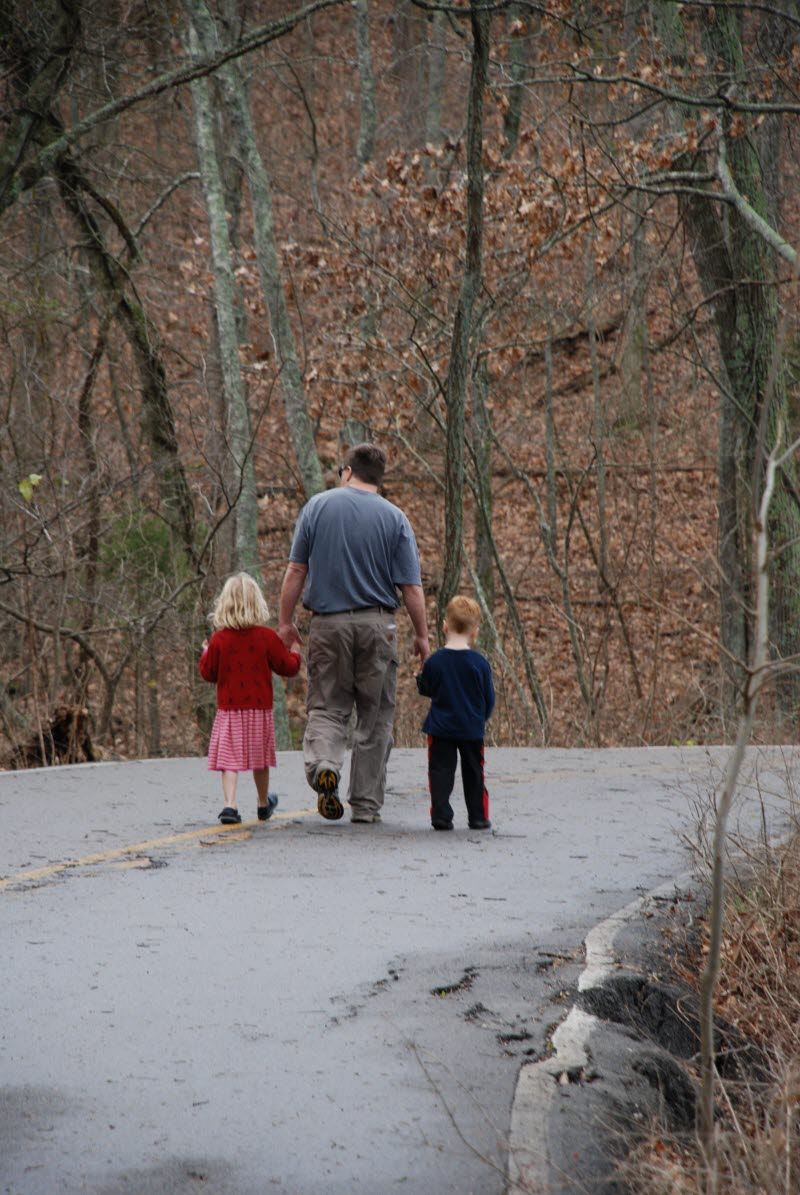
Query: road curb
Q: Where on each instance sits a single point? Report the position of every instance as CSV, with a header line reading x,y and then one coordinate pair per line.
x,y
533,1167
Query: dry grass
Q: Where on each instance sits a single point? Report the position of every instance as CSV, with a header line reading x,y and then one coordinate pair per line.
x,y
758,993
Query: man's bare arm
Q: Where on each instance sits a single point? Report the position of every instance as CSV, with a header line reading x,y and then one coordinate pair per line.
x,y
293,581
414,601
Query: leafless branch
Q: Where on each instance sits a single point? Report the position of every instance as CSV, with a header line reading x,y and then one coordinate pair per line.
x,y
32,171
717,100
748,213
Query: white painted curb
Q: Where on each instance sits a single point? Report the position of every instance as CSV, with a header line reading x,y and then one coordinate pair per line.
x,y
529,1162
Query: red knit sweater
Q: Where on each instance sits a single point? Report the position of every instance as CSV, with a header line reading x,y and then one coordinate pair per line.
x,y
242,663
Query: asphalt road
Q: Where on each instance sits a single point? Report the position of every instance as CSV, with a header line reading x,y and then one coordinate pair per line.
x,y
300,1006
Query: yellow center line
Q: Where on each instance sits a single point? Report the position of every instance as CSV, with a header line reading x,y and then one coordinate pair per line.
x,y
138,848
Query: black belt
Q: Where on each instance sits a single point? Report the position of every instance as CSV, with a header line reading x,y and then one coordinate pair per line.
x,y
356,610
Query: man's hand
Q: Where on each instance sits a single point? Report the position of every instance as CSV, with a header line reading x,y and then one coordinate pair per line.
x,y
289,635
293,581
422,647
414,600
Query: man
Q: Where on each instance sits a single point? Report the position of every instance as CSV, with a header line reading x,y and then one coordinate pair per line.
x,y
352,552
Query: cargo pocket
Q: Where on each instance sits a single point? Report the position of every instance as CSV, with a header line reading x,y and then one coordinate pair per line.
x,y
387,644
322,669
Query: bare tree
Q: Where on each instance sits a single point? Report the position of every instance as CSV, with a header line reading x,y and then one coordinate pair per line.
x,y
758,672
366,79
459,367
239,436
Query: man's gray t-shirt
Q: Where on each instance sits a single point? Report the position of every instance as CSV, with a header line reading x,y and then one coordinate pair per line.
x,y
358,548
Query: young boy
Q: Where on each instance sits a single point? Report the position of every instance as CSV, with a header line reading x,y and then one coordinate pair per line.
x,y
459,682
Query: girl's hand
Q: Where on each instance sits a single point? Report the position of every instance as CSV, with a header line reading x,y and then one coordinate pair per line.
x,y
205,645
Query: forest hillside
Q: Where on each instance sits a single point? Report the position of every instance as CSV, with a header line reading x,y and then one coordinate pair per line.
x,y
542,253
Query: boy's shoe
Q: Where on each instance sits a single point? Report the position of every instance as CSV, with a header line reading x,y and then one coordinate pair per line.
x,y
265,812
442,825
483,824
328,804
367,818
229,816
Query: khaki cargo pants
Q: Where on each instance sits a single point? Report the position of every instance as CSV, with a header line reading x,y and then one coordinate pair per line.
x,y
352,661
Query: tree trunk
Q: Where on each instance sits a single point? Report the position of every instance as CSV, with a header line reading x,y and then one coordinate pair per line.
x,y
455,389
482,455
89,549
754,364
151,678
297,418
512,117
30,425
715,271
437,34
242,483
598,418
633,341
736,271
124,429
366,78
291,381
550,535
409,69
38,43
216,451
757,676
633,351
158,415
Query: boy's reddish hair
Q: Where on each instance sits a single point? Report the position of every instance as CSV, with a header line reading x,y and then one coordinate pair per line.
x,y
463,614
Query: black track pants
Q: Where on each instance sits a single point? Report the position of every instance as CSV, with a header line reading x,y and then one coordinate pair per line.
x,y
442,758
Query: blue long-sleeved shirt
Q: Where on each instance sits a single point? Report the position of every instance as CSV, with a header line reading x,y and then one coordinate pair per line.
x,y
459,684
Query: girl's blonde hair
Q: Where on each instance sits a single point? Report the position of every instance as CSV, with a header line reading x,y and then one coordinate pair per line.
x,y
240,605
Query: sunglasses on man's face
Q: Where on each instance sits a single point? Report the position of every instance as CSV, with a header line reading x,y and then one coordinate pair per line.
x,y
342,469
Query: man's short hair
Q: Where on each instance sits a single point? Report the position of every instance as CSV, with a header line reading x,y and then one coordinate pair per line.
x,y
463,614
368,463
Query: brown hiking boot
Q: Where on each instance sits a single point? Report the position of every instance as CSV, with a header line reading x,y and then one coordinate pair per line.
x,y
328,804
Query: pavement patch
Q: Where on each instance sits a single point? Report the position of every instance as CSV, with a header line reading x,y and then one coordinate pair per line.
x,y
26,1112
179,1176
461,985
139,863
206,836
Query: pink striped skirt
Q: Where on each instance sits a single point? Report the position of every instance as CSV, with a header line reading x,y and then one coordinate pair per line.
x,y
242,740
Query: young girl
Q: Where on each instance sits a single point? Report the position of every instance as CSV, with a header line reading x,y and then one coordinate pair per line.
x,y
240,658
